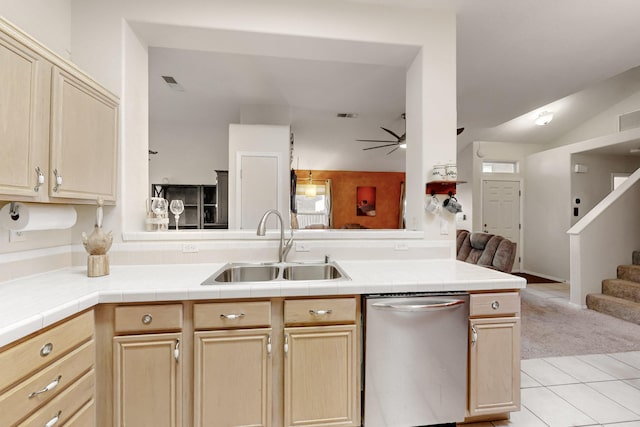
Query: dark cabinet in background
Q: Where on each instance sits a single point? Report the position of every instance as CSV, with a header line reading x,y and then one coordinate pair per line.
x,y
205,206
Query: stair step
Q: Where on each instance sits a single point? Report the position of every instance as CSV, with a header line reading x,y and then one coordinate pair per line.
x,y
616,307
629,272
624,289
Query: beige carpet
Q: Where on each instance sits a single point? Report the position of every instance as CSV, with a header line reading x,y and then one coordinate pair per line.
x,y
551,327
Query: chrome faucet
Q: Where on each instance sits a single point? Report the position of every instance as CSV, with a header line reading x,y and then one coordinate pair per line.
x,y
284,248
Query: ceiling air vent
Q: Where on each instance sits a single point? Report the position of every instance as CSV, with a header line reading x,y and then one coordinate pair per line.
x,y
173,83
348,115
629,121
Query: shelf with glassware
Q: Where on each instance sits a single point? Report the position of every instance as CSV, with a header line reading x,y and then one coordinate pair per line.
x,y
442,187
204,205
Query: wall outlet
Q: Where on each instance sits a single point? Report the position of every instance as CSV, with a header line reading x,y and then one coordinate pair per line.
x,y
188,248
444,227
302,247
17,236
401,246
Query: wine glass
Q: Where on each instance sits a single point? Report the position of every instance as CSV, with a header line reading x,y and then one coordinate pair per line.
x,y
177,207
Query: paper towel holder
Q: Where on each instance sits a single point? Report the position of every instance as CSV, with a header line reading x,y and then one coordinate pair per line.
x,y
13,211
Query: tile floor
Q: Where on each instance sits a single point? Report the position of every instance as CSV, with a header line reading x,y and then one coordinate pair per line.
x,y
591,390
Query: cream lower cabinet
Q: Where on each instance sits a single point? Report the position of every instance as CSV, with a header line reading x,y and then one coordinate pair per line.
x,y
320,376
147,366
49,378
494,354
321,363
232,367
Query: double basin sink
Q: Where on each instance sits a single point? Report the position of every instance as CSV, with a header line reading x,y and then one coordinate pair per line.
x,y
269,272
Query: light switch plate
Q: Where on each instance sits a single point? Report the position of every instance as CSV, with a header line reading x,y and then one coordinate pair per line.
x,y
444,227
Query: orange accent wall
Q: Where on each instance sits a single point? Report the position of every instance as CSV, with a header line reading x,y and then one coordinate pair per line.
x,y
344,186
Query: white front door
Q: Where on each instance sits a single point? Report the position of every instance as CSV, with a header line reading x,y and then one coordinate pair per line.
x,y
501,211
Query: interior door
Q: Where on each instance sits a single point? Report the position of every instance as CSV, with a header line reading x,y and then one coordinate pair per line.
x,y
258,189
501,211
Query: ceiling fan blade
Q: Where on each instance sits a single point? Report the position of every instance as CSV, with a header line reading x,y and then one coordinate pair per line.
x,y
460,130
374,140
393,150
391,132
380,146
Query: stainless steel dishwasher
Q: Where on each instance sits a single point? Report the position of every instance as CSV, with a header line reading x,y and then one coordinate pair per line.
x,y
415,359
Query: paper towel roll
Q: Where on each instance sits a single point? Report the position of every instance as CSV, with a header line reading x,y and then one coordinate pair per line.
x,y
33,216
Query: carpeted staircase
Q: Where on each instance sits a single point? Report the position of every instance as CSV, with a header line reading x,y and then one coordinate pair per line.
x,y
620,297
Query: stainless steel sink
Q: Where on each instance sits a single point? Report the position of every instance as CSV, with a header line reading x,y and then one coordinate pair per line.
x,y
311,272
245,272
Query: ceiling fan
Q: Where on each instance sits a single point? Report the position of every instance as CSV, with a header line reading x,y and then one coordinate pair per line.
x,y
400,141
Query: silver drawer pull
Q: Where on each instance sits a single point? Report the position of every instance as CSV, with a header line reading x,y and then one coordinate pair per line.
x,y
232,316
319,312
53,421
147,319
53,384
495,305
46,349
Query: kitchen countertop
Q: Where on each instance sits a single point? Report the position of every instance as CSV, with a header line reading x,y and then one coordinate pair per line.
x,y
32,303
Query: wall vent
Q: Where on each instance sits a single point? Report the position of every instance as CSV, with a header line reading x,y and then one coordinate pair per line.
x,y
629,121
172,83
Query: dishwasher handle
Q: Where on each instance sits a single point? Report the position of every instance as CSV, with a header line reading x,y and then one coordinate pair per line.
x,y
412,306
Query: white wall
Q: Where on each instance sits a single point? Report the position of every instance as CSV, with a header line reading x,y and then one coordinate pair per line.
x,y
605,239
187,153
591,187
602,124
48,21
548,205
98,47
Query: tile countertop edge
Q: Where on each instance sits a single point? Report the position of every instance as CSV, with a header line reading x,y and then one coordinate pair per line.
x,y
32,303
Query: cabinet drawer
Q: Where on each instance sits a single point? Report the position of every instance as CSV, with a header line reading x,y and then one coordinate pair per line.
x,y
494,304
86,416
46,384
320,311
65,404
148,318
224,315
44,348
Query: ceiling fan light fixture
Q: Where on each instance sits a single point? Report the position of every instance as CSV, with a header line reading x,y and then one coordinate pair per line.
x,y
544,118
403,145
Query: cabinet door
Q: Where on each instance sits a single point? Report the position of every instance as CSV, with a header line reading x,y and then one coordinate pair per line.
x,y
232,378
321,376
24,120
494,365
147,380
84,139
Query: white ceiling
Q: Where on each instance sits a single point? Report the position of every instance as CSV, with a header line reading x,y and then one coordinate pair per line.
x,y
514,58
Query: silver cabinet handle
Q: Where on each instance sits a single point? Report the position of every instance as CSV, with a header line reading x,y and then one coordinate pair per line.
x,y
269,345
147,319
53,421
232,316
319,312
436,305
176,351
46,349
495,305
474,335
286,343
58,180
39,179
53,384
